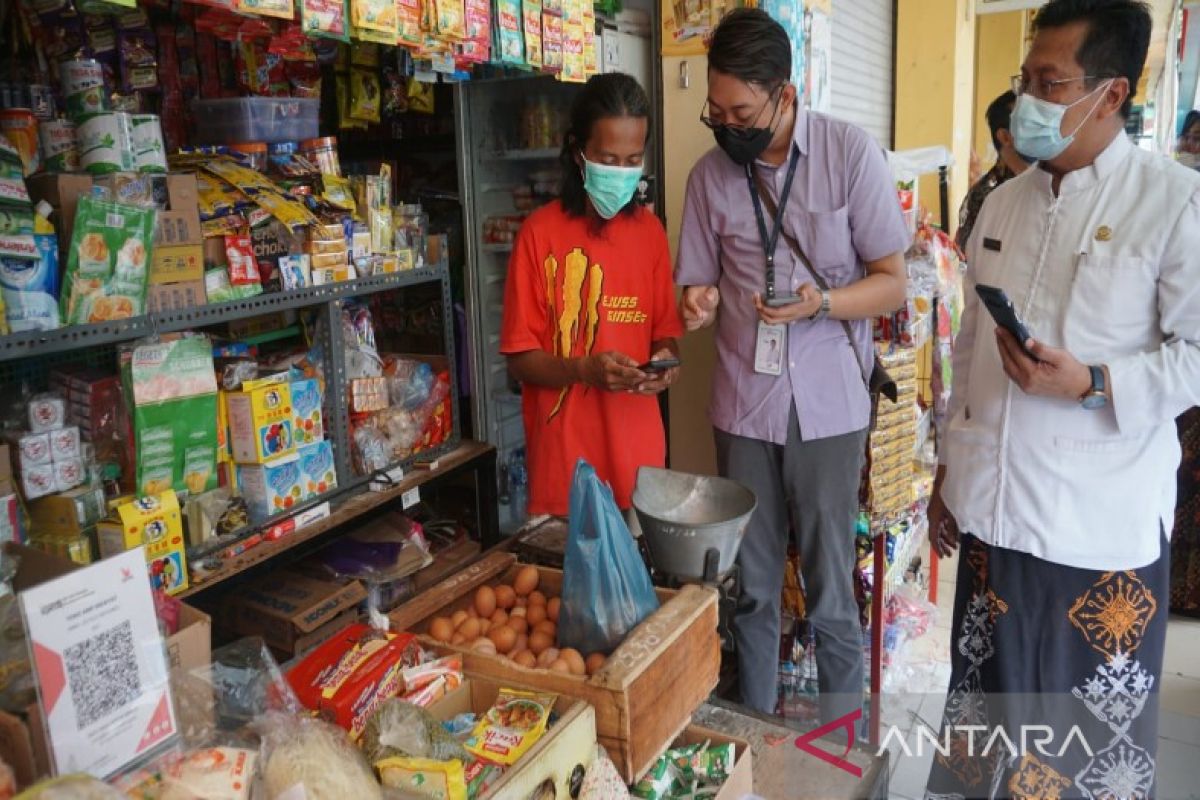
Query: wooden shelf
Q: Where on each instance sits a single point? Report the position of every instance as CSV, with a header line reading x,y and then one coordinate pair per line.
x,y
346,508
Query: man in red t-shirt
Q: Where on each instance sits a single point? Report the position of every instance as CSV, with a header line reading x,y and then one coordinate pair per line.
x,y
589,298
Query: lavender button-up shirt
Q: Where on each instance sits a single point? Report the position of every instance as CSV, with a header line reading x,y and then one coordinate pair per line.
x,y
844,212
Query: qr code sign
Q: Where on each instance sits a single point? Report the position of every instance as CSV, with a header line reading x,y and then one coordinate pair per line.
x,y
103,674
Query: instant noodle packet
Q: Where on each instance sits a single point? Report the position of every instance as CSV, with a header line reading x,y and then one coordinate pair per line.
x,y
514,724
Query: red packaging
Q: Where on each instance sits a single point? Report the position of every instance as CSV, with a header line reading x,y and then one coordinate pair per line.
x,y
341,653
239,254
379,679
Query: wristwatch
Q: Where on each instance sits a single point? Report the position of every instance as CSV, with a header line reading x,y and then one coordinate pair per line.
x,y
1097,396
822,312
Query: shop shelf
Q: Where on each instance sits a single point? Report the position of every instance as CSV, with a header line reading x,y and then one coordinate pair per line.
x,y
547,154
73,337
256,119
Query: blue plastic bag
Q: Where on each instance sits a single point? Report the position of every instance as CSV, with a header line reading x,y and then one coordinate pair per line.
x,y
606,587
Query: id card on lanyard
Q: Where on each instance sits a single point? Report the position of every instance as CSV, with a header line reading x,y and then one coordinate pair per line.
x,y
771,344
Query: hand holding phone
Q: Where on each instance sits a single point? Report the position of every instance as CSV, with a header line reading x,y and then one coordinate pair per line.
x,y
781,300
659,365
1004,313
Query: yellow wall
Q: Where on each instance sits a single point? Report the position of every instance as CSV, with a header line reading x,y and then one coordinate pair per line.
x,y
999,50
691,441
935,89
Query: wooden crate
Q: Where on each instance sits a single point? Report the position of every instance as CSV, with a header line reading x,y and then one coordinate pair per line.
x,y
559,758
647,691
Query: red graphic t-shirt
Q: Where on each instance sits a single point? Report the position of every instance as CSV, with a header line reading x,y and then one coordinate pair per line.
x,y
574,290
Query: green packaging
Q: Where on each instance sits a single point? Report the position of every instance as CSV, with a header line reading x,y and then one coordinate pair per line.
x,y
174,389
108,262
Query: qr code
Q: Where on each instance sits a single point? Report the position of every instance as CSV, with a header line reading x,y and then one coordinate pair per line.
x,y
103,674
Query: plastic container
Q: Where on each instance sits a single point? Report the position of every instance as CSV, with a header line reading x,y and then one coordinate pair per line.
x,y
256,119
323,153
255,153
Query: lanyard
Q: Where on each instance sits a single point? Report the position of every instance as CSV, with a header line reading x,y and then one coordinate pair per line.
x,y
769,241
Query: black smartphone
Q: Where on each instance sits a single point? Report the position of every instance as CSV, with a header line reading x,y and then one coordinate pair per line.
x,y
781,300
661,365
1005,314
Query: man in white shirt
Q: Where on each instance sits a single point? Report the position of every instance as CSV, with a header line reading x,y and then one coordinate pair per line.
x,y
1060,459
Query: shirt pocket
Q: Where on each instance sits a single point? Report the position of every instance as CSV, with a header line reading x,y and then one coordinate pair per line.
x,y
1112,309
825,237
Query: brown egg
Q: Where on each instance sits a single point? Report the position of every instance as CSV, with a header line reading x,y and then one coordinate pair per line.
x,y
485,625
506,597
539,643
574,660
526,659
547,627
472,613
547,657
595,663
485,601
458,618
561,666
518,611
483,645
537,599
526,581
522,602
504,637
458,638
470,630
518,624
535,615
553,607
500,617
441,629
522,643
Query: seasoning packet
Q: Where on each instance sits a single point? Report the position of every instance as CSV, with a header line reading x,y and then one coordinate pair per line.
x,y
514,724
326,18
365,94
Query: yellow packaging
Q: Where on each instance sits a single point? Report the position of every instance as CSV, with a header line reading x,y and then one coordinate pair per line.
x,y
154,522
260,420
329,260
326,246
514,724
445,780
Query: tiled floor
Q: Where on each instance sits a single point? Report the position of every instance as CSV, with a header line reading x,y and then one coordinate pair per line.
x,y
928,658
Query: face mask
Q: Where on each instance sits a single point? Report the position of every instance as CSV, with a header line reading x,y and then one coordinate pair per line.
x,y
610,188
1036,125
744,145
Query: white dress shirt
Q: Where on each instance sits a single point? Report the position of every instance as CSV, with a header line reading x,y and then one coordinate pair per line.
x,y
1110,270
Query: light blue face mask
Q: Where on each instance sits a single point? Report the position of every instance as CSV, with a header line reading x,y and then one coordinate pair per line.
x,y
1036,125
610,188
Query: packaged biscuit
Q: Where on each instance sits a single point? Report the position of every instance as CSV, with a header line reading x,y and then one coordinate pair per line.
x,y
107,262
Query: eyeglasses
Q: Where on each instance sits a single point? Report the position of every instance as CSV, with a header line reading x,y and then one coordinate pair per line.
x,y
1043,89
708,122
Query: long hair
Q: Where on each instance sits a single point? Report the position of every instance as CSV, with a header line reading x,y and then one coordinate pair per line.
x,y
613,94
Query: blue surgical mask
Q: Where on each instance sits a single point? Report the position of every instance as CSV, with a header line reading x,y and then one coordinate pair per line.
x,y
1036,125
610,188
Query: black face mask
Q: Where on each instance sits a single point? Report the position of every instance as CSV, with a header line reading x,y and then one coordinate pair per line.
x,y
742,145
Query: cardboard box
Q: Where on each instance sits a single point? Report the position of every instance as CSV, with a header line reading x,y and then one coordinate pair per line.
x,y
260,421
6,472
22,737
306,644
307,424
175,296
317,471
740,782
285,607
68,514
271,488
156,523
62,191
177,264
180,223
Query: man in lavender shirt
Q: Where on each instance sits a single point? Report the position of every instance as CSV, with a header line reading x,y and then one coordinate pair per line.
x,y
795,434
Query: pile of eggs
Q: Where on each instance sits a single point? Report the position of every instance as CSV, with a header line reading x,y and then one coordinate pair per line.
x,y
518,622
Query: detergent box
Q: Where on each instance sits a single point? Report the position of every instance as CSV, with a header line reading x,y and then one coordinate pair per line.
x,y
260,420
316,469
155,522
271,488
306,411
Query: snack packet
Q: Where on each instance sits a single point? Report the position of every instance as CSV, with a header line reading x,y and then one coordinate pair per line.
x,y
243,267
440,779
108,262
514,724
325,18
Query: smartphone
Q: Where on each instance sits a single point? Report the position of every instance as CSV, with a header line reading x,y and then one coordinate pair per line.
x,y
781,300
1005,314
661,365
